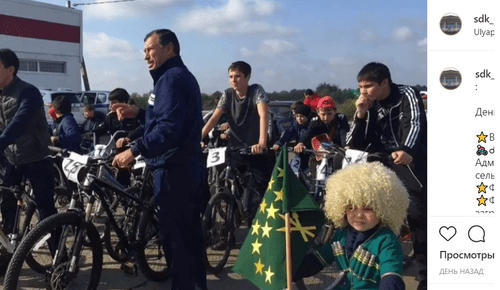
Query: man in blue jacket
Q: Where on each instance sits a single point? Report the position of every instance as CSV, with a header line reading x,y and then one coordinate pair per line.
x,y
171,146
24,139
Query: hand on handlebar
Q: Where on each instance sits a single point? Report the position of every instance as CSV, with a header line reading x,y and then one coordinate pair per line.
x,y
299,148
122,142
124,159
258,148
401,157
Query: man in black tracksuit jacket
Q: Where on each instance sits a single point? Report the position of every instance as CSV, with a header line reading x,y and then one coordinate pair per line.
x,y
171,147
391,119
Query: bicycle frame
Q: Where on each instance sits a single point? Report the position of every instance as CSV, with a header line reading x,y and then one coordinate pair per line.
x,y
10,243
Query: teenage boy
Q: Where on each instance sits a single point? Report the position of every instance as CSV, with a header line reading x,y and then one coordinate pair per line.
x,y
247,115
391,119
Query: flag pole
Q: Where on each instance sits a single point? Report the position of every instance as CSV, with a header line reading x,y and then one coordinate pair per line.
x,y
288,252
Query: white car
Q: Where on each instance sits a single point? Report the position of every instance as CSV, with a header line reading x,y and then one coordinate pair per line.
x,y
100,99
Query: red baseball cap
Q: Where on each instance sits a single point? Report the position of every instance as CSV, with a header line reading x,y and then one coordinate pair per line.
x,y
326,102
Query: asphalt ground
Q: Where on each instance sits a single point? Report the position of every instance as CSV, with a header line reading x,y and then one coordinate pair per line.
x,y
113,277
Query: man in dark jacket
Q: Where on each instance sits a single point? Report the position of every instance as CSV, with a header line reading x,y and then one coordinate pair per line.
x,y
391,119
24,140
171,146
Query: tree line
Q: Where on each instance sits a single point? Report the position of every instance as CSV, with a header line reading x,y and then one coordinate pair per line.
x,y
345,98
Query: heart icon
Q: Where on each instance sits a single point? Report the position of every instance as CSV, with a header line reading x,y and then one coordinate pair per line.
x,y
447,232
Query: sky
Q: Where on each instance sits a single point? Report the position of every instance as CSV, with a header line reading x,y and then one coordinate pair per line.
x,y
293,44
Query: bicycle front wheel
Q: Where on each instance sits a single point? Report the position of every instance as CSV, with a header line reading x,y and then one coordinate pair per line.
x,y
64,231
218,232
151,258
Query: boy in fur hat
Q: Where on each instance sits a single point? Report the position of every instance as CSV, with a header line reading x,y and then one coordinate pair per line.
x,y
368,204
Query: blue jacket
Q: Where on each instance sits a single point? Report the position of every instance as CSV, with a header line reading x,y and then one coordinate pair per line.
x,y
172,130
67,132
294,132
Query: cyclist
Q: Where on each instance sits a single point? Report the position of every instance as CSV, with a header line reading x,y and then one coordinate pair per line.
x,y
92,119
391,119
311,99
247,115
116,119
367,202
297,130
24,140
66,133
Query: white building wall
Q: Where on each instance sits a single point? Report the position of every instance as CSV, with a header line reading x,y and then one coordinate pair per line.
x,y
46,50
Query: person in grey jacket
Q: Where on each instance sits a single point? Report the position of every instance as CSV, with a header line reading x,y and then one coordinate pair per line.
x,y
24,139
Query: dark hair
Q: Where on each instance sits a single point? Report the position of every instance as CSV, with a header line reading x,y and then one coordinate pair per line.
x,y
9,58
62,105
166,36
120,95
295,105
374,72
309,92
242,66
89,107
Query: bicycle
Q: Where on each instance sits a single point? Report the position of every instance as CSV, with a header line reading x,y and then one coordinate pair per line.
x,y
76,236
25,212
225,212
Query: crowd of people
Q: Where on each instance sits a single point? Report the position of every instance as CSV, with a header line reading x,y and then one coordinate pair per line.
x,y
389,119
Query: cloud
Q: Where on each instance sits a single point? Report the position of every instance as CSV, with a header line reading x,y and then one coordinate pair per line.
x,y
236,17
272,47
244,51
367,36
402,34
101,45
129,9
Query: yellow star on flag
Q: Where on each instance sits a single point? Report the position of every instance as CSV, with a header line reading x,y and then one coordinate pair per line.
x,y
269,274
271,211
263,205
279,195
482,137
255,228
482,188
270,185
266,229
281,172
482,200
259,267
256,246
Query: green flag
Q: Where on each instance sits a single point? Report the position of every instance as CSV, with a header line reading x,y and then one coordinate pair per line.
x,y
262,256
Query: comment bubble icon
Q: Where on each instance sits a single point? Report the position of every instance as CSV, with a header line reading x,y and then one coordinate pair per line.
x,y
477,234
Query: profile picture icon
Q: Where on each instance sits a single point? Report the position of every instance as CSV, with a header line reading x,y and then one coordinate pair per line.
x,y
450,24
450,78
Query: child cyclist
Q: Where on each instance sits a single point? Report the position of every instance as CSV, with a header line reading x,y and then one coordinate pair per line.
x,y
328,122
368,204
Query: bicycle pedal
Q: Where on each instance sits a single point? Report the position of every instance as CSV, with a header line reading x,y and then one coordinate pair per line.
x,y
130,269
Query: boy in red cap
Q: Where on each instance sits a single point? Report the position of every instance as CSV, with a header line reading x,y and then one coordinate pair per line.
x,y
328,122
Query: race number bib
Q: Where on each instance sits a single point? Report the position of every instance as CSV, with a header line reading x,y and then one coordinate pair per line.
x,y
216,156
73,164
354,156
321,170
295,164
